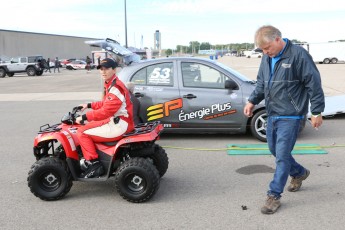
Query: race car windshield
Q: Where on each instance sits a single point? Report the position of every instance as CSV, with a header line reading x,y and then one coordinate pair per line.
x,y
234,72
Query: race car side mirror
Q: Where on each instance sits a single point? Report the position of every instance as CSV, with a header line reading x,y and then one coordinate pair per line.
x,y
230,84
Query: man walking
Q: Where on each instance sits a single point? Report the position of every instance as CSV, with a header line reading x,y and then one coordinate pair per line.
x,y
288,80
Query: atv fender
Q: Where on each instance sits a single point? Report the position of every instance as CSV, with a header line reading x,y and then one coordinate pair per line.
x,y
151,136
64,138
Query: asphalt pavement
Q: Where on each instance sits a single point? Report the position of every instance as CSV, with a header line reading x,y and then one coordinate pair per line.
x,y
202,189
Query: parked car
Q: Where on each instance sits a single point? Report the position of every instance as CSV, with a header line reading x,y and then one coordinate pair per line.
x,y
194,95
255,53
64,62
78,64
32,65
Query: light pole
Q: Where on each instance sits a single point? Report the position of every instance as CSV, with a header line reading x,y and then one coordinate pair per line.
x,y
126,24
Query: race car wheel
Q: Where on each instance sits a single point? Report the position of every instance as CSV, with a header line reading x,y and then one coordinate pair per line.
x,y
31,71
49,179
137,180
160,159
258,125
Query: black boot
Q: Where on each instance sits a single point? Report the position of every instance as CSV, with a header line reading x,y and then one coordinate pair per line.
x,y
94,169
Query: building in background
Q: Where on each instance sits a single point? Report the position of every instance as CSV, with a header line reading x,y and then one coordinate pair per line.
x,y
18,43
157,40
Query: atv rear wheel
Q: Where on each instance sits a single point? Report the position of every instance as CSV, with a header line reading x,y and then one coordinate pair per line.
x,y
137,180
49,178
160,159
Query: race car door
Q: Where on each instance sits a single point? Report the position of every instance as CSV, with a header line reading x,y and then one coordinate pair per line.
x,y
157,90
207,104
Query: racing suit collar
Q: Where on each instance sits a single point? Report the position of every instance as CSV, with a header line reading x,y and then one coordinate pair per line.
x,y
107,84
111,80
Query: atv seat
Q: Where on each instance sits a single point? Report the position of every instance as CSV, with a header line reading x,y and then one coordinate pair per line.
x,y
140,128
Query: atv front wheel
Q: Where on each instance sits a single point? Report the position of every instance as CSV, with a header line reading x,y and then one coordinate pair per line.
x,y
137,180
49,179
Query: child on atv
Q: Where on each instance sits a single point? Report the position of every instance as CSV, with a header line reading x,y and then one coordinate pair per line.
x,y
108,120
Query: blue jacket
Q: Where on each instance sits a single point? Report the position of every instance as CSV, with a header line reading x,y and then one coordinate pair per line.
x,y
295,82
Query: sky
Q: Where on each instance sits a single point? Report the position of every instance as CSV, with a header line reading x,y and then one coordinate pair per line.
x,y
179,21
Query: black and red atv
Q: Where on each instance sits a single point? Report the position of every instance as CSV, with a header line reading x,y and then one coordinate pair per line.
x,y
136,162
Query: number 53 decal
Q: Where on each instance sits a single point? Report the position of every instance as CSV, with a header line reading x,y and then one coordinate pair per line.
x,y
160,76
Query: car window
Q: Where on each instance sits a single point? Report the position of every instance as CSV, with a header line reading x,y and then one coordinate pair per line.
x,y
34,59
201,76
155,75
15,60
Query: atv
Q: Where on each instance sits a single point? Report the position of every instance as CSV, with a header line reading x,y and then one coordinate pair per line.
x,y
135,161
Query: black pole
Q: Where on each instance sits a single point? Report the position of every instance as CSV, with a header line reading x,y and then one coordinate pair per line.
x,y
126,24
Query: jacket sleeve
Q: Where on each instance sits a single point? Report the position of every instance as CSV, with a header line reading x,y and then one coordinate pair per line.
x,y
97,105
312,82
259,92
110,105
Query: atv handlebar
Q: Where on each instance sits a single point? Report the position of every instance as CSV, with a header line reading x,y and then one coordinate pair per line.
x,y
74,112
70,117
77,109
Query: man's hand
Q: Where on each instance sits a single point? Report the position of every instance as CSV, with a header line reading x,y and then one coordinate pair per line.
x,y
248,109
316,121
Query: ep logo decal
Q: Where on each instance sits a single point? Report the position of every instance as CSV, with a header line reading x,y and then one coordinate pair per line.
x,y
163,110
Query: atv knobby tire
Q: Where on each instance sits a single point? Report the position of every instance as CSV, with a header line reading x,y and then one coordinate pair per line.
x,y
160,159
137,180
49,178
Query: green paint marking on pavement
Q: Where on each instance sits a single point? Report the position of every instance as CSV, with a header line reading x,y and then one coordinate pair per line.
x,y
262,149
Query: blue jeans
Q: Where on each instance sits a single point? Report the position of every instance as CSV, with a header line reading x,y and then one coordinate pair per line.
x,y
281,137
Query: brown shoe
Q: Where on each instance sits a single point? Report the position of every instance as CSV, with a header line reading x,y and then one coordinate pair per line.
x,y
271,206
296,182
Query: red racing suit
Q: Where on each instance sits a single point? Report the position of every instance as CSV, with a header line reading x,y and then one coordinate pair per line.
x,y
101,126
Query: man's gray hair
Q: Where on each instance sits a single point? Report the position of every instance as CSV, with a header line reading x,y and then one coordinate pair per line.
x,y
266,34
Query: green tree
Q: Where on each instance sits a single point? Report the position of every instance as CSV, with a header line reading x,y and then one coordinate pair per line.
x,y
205,46
193,47
182,49
168,52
